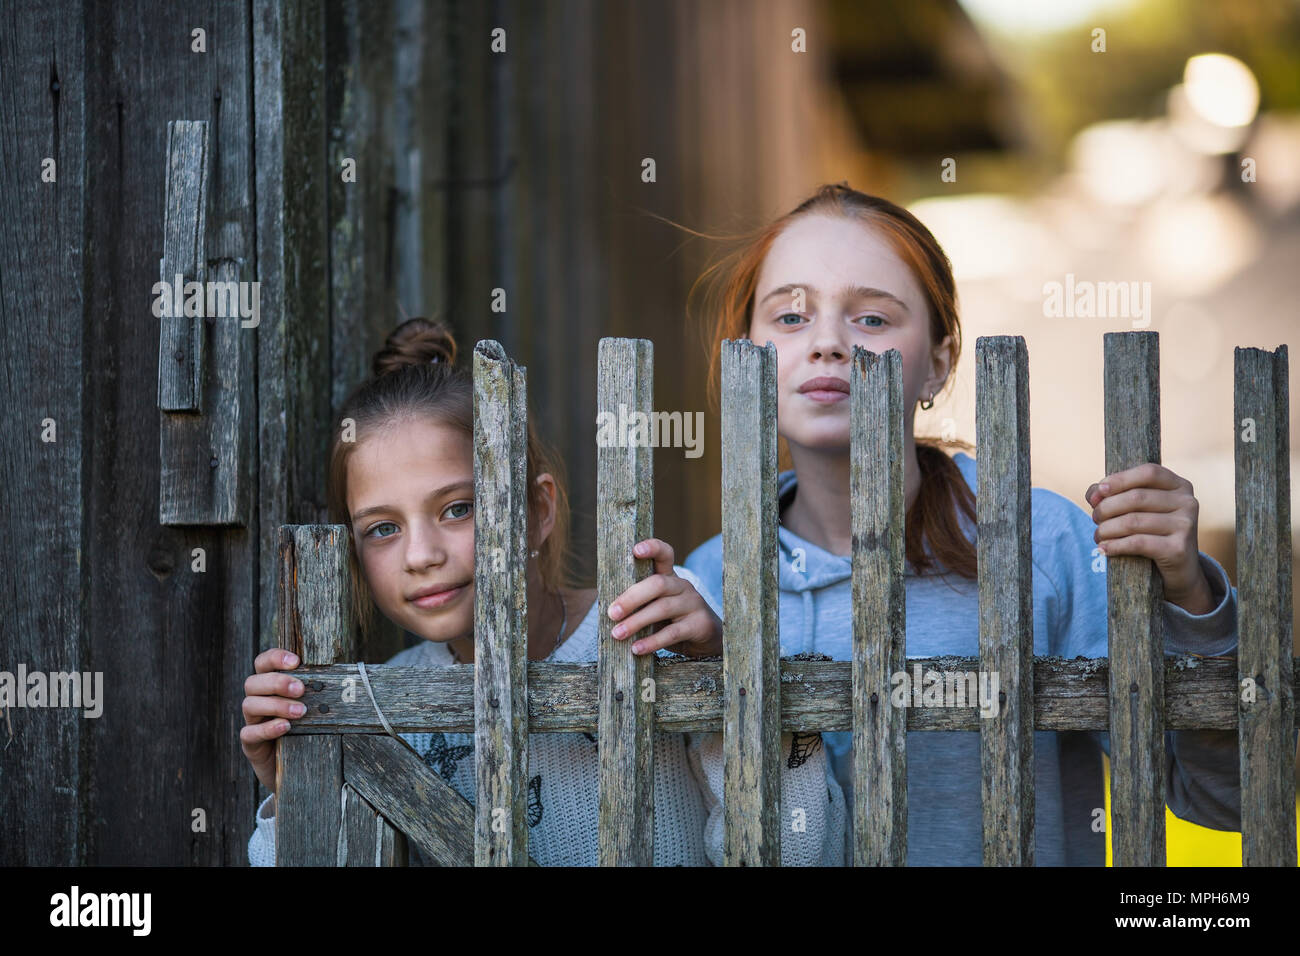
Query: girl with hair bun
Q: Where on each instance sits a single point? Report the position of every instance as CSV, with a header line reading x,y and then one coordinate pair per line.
x,y
405,488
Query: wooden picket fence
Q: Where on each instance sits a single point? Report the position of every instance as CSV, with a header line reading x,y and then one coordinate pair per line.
x,y
349,794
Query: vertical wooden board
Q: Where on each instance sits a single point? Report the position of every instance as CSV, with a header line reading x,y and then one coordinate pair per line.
x,y
876,482
191,592
365,837
520,134
316,624
751,668
359,45
294,417
308,778
1135,616
571,237
1005,598
500,609
391,845
475,168
361,49
624,516
43,305
1266,703
231,249
184,259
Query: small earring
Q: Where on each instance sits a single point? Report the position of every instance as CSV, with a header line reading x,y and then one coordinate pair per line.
x,y
532,554
928,403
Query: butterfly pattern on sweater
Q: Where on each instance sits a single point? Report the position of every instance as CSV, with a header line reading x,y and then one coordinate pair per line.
x,y
535,801
442,757
802,747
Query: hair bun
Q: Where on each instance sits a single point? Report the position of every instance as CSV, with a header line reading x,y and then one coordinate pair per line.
x,y
417,341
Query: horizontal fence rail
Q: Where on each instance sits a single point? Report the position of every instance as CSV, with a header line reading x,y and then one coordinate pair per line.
x,y
335,811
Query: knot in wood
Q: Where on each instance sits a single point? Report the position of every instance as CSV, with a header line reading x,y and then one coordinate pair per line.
x,y
618,695
494,702
324,708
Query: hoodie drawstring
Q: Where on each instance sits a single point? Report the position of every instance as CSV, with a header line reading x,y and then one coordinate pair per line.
x,y
809,621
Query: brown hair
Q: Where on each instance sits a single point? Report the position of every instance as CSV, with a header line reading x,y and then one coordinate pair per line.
x,y
730,283
415,375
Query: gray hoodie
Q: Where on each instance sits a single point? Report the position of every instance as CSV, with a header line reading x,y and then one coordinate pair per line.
x,y
1070,620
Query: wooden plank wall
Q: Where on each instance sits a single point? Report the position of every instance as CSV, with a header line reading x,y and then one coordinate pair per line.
x,y
174,643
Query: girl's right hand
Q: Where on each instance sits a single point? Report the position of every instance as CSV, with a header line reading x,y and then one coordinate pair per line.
x,y
270,697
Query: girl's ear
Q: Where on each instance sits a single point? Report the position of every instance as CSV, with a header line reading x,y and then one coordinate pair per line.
x,y
545,516
941,363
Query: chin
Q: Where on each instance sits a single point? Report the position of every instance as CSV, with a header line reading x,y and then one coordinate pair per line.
x,y
821,440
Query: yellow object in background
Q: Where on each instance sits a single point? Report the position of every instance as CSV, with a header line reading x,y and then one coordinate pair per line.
x,y
1187,844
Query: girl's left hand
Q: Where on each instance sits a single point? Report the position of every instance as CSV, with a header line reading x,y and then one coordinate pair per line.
x,y
1151,512
663,596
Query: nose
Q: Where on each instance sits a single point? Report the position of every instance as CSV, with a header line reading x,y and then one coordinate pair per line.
x,y
827,342
424,548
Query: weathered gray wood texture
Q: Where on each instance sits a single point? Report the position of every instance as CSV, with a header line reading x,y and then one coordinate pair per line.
x,y
180,341
625,515
173,629
879,609
500,608
1005,597
44,303
1070,695
1135,597
1261,421
366,838
205,380
751,638
316,623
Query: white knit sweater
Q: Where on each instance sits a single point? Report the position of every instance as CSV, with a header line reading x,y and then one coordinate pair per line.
x,y
563,772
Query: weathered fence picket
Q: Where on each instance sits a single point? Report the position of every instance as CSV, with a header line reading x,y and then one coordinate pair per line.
x,y
1136,617
751,663
1261,427
500,609
879,608
625,695
1005,597
348,792
316,624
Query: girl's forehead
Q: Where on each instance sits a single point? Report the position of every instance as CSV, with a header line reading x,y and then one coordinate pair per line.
x,y
832,253
408,455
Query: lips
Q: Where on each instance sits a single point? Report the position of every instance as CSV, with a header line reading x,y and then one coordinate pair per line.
x,y
436,595
825,389
825,384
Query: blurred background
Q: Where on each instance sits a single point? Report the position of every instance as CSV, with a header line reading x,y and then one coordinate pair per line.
x,y
1164,149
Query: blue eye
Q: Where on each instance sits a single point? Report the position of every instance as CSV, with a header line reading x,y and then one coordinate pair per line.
x,y
789,315
468,506
881,318
371,532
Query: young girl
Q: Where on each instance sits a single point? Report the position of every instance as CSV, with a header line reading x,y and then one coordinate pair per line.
x,y
405,487
845,269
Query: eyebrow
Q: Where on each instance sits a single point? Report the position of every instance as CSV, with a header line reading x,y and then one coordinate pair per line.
x,y
852,292
436,493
